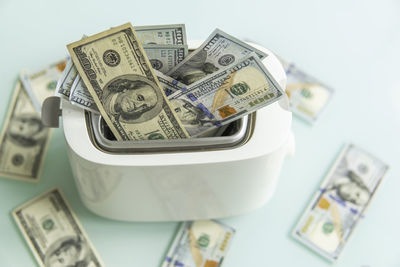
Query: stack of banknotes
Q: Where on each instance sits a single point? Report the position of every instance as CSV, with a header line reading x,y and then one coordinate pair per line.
x,y
146,85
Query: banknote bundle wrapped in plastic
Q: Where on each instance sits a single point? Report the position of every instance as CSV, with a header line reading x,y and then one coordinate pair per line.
x,y
144,83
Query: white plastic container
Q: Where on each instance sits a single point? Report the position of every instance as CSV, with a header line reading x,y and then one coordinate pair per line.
x,y
176,180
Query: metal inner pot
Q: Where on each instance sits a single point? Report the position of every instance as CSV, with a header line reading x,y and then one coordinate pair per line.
x,y
235,134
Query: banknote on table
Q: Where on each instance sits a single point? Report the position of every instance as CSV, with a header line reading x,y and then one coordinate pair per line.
x,y
218,51
118,75
341,202
172,34
54,233
200,244
164,57
66,80
226,95
81,97
308,97
42,84
24,140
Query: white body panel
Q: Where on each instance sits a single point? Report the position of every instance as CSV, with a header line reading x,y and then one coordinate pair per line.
x,y
186,185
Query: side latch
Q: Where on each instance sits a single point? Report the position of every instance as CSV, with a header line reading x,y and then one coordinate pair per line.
x,y
51,112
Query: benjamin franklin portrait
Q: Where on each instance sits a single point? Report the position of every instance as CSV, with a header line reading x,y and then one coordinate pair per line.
x,y
132,99
68,251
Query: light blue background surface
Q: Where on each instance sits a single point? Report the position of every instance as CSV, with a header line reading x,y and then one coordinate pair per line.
x,y
353,46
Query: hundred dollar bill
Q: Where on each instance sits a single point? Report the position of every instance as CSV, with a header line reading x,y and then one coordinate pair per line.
x,y
66,80
53,232
81,97
164,58
218,51
200,244
173,34
118,75
42,84
308,97
24,140
341,202
226,95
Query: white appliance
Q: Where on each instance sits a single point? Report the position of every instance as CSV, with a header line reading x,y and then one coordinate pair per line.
x,y
177,180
